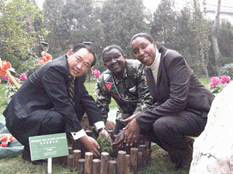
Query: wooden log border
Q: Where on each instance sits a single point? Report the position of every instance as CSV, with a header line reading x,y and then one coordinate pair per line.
x,y
132,162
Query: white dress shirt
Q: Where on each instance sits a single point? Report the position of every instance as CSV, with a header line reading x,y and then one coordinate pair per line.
x,y
76,135
155,65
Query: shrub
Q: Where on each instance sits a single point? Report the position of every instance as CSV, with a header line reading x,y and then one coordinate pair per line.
x,y
227,70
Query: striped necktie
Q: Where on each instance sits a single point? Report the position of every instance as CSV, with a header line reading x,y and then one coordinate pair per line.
x,y
71,88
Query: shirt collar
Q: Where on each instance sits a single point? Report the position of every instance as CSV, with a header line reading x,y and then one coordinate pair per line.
x,y
155,64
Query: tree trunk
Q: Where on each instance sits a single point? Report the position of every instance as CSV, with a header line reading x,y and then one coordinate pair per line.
x,y
215,28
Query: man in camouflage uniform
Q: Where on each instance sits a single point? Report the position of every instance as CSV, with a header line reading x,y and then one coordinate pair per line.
x,y
124,81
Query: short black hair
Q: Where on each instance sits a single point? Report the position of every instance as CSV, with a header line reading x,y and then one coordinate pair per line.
x,y
145,35
86,45
110,47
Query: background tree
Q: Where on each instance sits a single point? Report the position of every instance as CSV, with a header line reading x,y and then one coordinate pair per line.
x,y
112,22
69,22
184,39
200,33
55,24
121,20
225,38
18,34
164,23
185,31
214,38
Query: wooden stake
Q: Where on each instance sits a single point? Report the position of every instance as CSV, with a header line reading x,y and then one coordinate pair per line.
x,y
88,162
104,162
142,148
96,166
140,166
112,167
121,162
81,165
128,163
70,162
77,156
134,159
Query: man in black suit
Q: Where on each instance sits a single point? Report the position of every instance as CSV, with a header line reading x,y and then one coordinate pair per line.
x,y
54,99
181,102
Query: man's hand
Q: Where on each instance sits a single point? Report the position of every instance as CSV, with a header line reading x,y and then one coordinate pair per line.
x,y
90,145
119,139
131,131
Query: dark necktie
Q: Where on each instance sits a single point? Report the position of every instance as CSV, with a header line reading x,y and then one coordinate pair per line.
x,y
71,89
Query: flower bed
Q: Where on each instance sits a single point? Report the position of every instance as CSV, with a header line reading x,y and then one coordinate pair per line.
x,y
218,83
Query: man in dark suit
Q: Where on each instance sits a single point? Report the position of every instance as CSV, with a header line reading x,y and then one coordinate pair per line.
x,y
54,99
181,102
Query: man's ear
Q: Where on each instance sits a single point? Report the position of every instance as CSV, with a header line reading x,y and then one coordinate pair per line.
x,y
70,52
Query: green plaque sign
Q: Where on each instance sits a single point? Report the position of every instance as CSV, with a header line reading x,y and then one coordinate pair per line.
x,y
48,146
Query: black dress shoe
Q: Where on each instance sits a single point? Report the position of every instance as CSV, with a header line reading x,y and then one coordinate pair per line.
x,y
27,157
182,158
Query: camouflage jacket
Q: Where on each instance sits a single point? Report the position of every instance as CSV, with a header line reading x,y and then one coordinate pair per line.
x,y
130,93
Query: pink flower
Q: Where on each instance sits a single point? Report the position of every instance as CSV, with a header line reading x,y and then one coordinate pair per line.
x,y
23,77
225,79
97,73
4,144
5,140
214,82
5,78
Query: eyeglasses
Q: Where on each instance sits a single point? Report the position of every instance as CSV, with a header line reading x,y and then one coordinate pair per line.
x,y
80,61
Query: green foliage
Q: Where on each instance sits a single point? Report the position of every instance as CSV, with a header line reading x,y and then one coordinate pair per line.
x,y
9,91
113,23
18,35
121,19
227,70
164,23
105,144
68,23
3,98
225,38
185,31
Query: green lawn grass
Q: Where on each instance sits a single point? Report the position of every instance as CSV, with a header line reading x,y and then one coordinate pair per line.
x,y
91,88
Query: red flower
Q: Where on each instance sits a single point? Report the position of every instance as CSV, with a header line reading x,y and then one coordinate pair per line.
x,y
45,58
108,86
4,68
5,140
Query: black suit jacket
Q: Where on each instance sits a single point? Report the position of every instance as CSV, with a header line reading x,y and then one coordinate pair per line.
x,y
46,90
177,89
